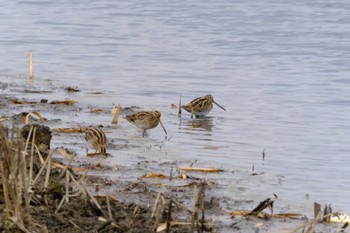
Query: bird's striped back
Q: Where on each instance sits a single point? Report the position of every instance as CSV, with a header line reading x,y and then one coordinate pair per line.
x,y
144,119
200,106
96,138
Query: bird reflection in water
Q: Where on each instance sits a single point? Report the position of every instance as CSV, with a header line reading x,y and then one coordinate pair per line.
x,y
205,123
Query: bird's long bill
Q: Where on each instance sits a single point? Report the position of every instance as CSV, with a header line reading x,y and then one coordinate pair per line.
x,y
219,105
163,127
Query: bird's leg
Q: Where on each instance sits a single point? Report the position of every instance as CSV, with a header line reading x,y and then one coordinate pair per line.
x,y
191,112
179,114
87,151
144,133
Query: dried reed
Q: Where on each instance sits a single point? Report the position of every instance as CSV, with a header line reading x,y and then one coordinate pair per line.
x,y
31,72
116,111
14,181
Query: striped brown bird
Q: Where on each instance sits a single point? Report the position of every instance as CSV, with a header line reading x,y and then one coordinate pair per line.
x,y
97,139
201,106
145,120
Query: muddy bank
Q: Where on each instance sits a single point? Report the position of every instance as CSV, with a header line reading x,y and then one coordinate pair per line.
x,y
136,202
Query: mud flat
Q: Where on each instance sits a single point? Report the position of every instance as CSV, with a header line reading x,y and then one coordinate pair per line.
x,y
125,192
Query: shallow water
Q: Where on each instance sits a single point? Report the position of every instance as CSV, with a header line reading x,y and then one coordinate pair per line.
x,y
279,68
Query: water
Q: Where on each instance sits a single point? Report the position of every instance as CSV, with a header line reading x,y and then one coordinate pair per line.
x,y
280,68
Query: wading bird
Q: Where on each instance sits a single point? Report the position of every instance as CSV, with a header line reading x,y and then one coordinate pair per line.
x,y
145,120
201,106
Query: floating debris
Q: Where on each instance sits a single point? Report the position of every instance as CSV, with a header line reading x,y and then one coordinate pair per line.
x,y
211,147
267,203
98,110
69,130
197,169
161,176
154,175
79,169
72,89
36,91
66,102
23,102
96,93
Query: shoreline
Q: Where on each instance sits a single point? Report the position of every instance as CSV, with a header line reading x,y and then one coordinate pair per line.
x,y
124,182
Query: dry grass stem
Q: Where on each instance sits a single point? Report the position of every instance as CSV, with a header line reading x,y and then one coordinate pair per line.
x,y
33,142
202,200
69,130
66,102
27,140
39,154
308,223
41,170
5,186
70,157
154,208
262,214
63,152
154,175
109,208
78,184
116,112
25,181
97,110
67,186
93,199
317,211
200,169
169,216
15,101
178,204
48,171
31,72
158,209
63,200
76,226
162,226
20,225
36,114
194,209
79,169
31,155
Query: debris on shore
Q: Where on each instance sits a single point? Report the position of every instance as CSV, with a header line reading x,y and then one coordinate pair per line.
x,y
45,189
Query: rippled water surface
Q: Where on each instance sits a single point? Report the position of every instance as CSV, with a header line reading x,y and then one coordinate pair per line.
x,y
280,68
